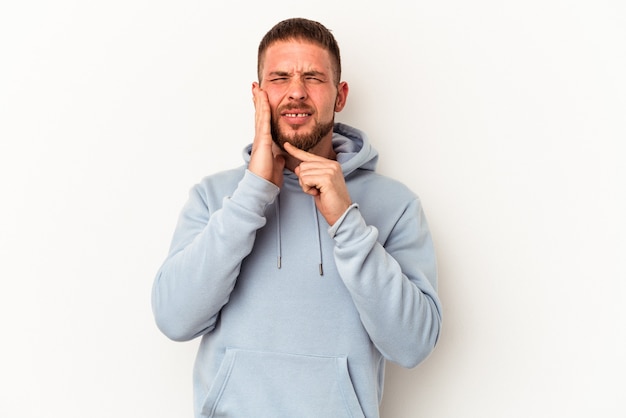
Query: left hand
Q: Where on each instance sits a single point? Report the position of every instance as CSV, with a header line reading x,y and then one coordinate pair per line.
x,y
323,179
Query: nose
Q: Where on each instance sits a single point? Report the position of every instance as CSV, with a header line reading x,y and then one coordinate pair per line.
x,y
297,89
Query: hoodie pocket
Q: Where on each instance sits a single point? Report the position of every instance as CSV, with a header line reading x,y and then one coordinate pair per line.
x,y
266,384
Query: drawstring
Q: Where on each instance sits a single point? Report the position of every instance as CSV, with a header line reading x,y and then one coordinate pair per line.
x,y
317,235
279,254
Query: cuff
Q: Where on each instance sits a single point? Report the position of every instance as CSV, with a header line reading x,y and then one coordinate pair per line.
x,y
334,229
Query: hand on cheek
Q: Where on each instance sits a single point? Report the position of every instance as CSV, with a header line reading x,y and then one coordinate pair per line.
x,y
263,160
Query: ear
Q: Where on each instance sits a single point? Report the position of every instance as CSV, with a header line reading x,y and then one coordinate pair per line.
x,y
342,96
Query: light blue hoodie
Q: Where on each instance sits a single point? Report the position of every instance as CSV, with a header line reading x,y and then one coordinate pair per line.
x,y
296,316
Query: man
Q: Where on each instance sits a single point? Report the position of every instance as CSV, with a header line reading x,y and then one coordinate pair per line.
x,y
302,270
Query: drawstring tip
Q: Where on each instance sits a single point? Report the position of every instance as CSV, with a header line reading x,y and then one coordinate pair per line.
x,y
278,262
321,270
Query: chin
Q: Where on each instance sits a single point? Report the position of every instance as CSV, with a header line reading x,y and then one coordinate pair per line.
x,y
303,137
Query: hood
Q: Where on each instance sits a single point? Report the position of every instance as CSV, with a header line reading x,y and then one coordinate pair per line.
x,y
352,146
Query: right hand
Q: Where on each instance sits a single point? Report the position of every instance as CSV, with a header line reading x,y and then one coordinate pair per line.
x,y
265,159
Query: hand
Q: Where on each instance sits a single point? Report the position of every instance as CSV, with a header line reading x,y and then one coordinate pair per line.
x,y
323,179
264,161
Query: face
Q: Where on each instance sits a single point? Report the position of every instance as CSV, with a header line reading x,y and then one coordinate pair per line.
x,y
302,93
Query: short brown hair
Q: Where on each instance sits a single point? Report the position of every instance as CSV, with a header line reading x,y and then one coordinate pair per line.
x,y
302,30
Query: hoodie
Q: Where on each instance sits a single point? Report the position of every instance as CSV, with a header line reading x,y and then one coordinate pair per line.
x,y
297,317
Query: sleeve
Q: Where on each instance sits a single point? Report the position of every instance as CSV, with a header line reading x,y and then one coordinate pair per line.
x,y
200,271
393,286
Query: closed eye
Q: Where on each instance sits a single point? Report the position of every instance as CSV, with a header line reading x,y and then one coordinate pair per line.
x,y
278,76
309,76
314,76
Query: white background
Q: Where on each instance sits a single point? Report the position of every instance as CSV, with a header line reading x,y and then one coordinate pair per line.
x,y
507,118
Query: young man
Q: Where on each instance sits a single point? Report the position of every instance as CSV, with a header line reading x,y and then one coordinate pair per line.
x,y
303,270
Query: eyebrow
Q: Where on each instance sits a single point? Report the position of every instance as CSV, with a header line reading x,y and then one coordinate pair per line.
x,y
278,74
288,74
314,73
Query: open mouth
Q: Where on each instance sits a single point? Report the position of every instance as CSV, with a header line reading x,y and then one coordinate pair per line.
x,y
296,115
296,111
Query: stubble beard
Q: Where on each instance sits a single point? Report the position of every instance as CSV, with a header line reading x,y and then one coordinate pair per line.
x,y
304,141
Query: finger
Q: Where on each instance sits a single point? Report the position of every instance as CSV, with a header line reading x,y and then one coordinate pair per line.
x,y
301,154
311,184
262,115
255,90
259,97
261,103
319,172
